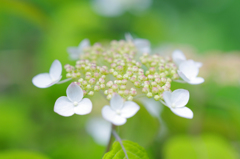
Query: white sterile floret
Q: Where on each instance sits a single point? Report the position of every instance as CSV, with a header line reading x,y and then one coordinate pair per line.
x,y
73,103
176,101
188,71
142,45
99,129
75,52
45,80
118,111
178,57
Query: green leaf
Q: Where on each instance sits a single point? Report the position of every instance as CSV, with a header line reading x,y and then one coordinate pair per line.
x,y
134,151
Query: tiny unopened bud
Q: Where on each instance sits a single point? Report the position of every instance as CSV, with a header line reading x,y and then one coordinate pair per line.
x,y
109,83
92,81
145,90
115,74
130,98
126,92
163,80
84,83
149,95
119,76
89,86
102,86
96,88
157,97
154,84
155,90
120,92
91,93
68,75
101,80
114,86
125,76
96,75
133,92
158,80
123,87
124,81
150,77
109,97
106,92
137,83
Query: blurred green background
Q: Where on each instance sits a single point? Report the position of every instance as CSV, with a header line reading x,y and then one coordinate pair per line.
x,y
33,33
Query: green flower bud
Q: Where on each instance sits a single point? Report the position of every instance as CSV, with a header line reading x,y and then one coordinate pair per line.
x,y
91,93
123,87
109,83
68,75
145,89
114,86
155,90
92,81
130,98
89,86
157,97
109,97
106,92
102,86
149,95
120,92
96,88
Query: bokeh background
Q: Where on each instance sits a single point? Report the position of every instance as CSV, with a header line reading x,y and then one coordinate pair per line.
x,y
33,33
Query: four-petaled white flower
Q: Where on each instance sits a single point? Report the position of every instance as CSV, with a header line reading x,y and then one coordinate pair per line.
x,y
118,111
142,45
188,71
178,57
176,101
45,80
75,52
73,103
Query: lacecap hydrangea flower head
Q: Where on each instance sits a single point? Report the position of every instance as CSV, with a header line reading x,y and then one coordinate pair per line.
x,y
121,72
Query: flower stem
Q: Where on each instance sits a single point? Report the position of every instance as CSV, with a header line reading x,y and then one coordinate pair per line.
x,y
120,141
110,139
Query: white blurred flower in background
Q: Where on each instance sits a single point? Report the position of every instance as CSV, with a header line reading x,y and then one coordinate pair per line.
x,y
111,8
99,129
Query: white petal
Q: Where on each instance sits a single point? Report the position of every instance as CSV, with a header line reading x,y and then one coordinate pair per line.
x,y
118,120
178,57
74,92
129,109
128,37
111,116
43,80
198,64
84,107
83,44
116,102
183,112
55,70
167,98
63,106
197,80
99,129
73,53
182,75
142,45
189,69
108,113
180,97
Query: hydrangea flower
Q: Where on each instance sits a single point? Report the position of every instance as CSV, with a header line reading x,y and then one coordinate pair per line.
x,y
75,52
118,111
45,80
143,45
188,71
178,57
118,7
99,129
176,101
73,103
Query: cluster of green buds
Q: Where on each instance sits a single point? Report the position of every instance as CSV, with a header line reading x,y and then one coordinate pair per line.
x,y
118,69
